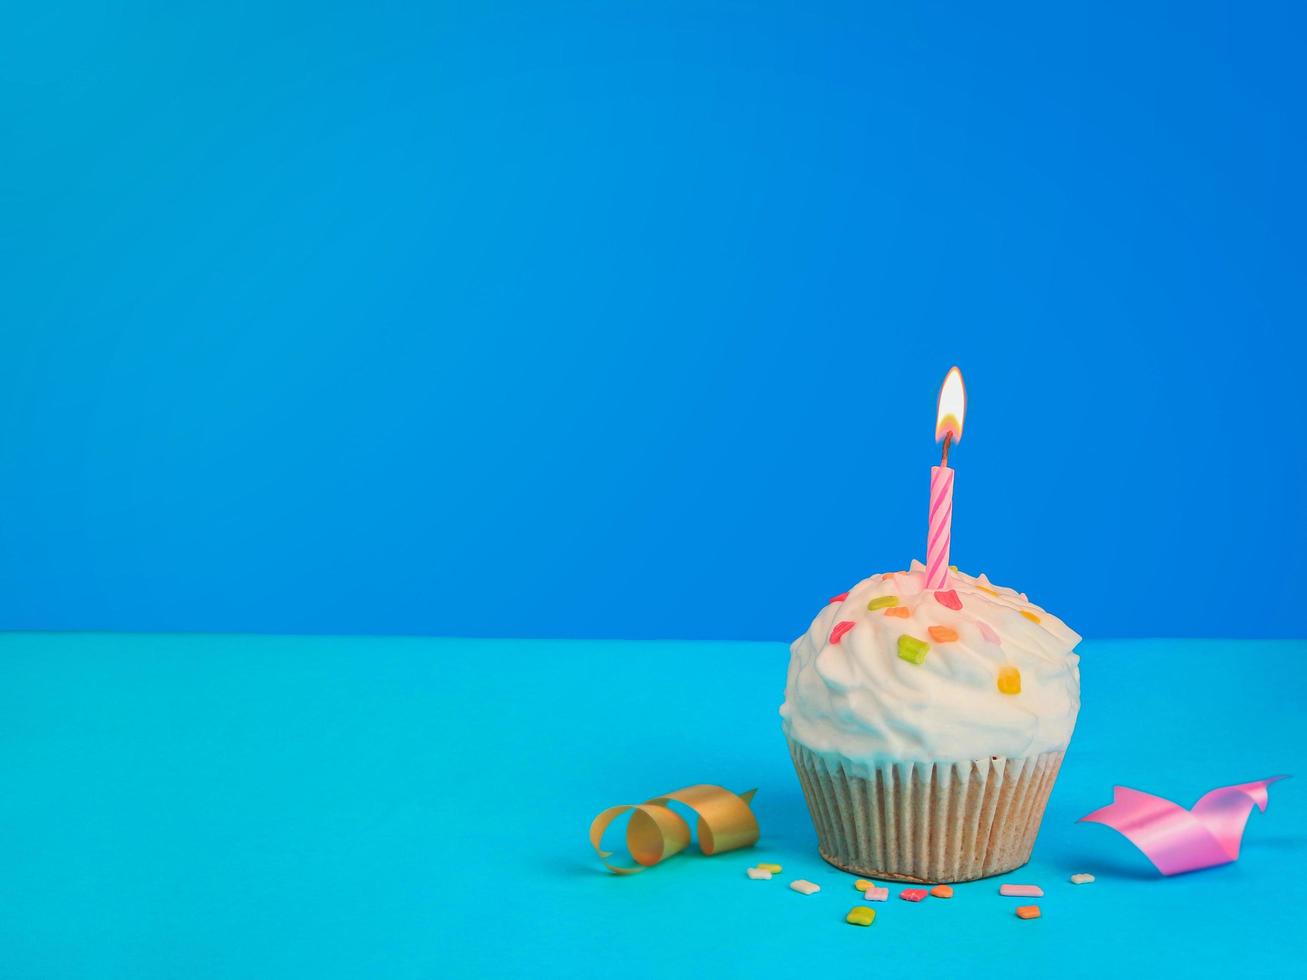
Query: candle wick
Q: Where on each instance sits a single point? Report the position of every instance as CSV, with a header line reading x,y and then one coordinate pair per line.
x,y
948,437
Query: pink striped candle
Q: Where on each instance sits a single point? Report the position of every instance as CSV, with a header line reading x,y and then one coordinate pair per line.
x,y
952,409
941,527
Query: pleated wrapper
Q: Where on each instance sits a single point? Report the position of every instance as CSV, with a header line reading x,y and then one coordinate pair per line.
x,y
927,822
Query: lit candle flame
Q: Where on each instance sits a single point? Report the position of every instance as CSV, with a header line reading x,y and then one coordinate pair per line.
x,y
952,407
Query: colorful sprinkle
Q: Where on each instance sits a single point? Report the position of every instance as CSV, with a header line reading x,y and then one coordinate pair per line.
x,y
842,627
837,598
862,885
887,576
758,874
913,650
986,589
860,915
1081,879
1021,891
948,598
942,891
1029,615
874,894
900,611
804,887
988,633
1009,680
943,634
912,894
953,569
882,602
773,868
1027,911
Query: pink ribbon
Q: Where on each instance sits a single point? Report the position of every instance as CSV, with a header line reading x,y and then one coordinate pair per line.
x,y
1176,839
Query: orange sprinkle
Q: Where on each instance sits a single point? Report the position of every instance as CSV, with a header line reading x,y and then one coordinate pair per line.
x,y
1028,911
1009,680
901,611
990,591
1029,615
942,891
887,576
943,634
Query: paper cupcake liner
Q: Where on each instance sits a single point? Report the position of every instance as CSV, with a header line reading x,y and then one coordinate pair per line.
x,y
927,822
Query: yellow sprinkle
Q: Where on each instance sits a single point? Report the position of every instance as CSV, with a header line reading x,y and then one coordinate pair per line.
x,y
773,868
860,915
862,885
988,590
953,568
1029,615
883,602
1009,680
913,650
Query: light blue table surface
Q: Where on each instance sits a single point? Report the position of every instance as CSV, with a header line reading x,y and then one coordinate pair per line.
x,y
243,806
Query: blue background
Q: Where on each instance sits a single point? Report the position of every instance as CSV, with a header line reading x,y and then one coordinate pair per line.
x,y
628,320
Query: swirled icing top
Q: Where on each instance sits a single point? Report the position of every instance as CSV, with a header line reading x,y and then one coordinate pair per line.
x,y
891,672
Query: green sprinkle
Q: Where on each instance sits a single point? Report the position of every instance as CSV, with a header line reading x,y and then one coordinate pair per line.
x,y
913,650
883,602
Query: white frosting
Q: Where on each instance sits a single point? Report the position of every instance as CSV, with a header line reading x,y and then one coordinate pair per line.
x,y
858,701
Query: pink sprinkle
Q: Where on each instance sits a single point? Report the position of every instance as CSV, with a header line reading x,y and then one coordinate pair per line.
x,y
837,598
1021,891
912,894
949,599
842,627
988,633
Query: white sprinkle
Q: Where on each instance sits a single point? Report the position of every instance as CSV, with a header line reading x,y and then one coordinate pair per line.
x,y
1081,879
874,894
804,887
758,874
1021,891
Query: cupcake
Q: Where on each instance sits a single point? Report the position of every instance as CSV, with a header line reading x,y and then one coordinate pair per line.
x,y
927,726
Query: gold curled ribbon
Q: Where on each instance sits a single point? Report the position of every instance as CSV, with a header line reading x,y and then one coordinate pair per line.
x,y
656,832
